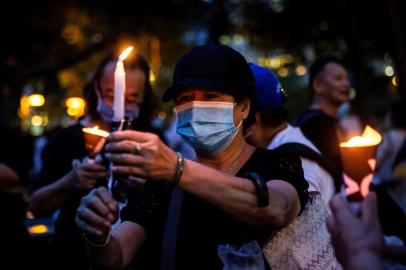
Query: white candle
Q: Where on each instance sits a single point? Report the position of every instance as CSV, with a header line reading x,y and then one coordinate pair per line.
x,y
119,87
119,92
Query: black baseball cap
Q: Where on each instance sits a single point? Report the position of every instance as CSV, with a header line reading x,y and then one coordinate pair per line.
x,y
215,67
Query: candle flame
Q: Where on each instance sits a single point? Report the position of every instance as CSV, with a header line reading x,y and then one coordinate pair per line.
x,y
369,137
96,131
125,53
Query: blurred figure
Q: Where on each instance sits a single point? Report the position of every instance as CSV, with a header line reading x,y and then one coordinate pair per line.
x,y
357,239
15,164
287,249
391,156
330,88
271,130
66,175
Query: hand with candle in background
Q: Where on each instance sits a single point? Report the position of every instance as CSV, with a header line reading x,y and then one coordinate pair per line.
x,y
68,173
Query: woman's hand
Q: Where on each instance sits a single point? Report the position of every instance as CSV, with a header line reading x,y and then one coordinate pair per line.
x,y
141,154
87,172
97,212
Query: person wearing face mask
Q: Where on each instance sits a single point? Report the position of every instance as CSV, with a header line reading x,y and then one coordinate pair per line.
x,y
209,213
67,175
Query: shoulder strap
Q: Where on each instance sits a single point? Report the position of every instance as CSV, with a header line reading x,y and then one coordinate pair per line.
x,y
306,152
400,155
171,230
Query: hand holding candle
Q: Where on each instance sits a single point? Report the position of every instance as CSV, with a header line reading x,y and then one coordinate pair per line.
x,y
358,156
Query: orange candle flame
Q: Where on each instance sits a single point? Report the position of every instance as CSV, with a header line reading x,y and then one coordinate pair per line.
x,y
125,53
96,131
369,137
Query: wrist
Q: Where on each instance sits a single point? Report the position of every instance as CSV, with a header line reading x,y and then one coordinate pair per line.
x,y
180,163
97,241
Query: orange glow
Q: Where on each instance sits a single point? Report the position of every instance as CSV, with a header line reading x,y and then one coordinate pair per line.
x,y
36,100
96,131
125,53
38,229
369,137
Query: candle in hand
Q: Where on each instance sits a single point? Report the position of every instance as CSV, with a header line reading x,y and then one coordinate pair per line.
x,y
119,86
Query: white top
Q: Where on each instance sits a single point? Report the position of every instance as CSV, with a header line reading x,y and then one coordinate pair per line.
x,y
319,180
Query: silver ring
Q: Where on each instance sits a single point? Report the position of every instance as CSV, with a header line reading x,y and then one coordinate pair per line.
x,y
138,148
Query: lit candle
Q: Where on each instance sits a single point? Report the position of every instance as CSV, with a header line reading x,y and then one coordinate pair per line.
x,y
358,155
119,86
94,140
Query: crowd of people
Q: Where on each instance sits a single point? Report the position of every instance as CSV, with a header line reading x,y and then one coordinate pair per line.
x,y
237,186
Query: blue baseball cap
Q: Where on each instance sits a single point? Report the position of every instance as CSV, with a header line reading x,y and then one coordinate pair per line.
x,y
269,89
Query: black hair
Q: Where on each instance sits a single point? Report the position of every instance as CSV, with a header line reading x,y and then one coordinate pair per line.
x,y
318,66
273,117
149,106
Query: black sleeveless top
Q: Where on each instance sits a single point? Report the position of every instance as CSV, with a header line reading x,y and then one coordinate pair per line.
x,y
203,226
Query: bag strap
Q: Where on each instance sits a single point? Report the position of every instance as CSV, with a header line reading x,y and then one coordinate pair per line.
x,y
400,155
171,230
307,152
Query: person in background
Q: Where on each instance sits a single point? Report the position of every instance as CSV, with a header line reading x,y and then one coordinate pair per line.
x,y
330,87
234,194
271,130
286,249
15,166
66,175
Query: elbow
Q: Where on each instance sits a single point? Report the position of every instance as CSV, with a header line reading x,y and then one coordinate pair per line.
x,y
280,216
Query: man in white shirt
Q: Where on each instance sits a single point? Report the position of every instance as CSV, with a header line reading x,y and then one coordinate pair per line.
x,y
271,130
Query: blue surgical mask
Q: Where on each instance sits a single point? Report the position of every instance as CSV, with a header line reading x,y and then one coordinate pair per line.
x,y
208,127
106,112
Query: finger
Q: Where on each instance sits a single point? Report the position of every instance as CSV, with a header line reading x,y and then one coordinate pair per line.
x,y
134,170
92,175
123,158
98,206
93,167
127,146
130,135
75,163
331,224
340,210
87,227
106,198
91,217
369,208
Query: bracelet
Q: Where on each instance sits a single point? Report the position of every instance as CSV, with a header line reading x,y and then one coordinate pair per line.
x,y
178,171
93,244
260,187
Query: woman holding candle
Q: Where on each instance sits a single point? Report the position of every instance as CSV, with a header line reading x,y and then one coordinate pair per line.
x,y
233,194
64,179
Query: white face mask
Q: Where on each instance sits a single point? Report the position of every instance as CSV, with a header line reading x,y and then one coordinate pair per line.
x,y
207,126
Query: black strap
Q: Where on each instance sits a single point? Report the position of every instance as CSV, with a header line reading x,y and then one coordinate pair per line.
x,y
400,155
306,152
171,230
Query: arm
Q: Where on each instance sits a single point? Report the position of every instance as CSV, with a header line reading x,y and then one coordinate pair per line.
x,y
236,196
94,216
8,177
82,177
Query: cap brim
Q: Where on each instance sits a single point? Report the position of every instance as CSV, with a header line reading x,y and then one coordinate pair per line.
x,y
204,83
